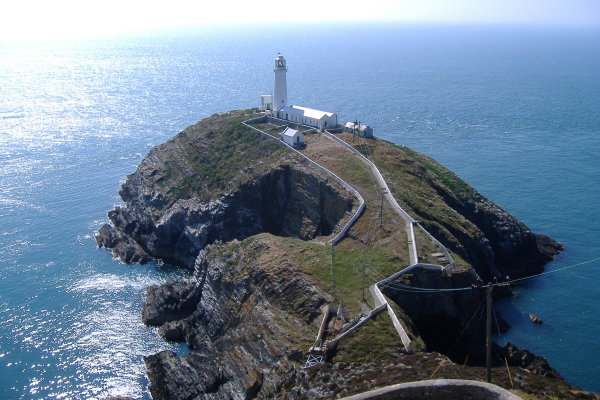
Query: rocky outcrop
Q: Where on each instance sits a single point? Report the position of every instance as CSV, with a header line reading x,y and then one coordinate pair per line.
x,y
503,244
162,220
496,243
246,314
230,205
524,358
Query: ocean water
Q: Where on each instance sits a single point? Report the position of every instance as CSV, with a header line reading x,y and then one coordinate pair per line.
x,y
515,111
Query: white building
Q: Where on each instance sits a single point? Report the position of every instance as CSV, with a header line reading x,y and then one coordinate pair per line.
x,y
292,137
280,88
266,102
308,116
359,129
278,103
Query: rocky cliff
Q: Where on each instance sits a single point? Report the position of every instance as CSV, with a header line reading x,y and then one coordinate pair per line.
x,y
247,314
249,219
492,240
219,181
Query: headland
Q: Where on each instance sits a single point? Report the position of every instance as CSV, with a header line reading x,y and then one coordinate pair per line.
x,y
255,219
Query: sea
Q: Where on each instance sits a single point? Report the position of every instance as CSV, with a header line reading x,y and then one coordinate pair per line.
x,y
513,110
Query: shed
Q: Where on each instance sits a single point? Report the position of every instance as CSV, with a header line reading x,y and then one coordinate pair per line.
x,y
359,129
293,137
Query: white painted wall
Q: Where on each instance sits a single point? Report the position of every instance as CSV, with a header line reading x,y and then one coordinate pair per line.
x,y
280,88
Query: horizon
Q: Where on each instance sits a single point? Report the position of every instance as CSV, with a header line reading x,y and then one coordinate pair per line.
x,y
65,20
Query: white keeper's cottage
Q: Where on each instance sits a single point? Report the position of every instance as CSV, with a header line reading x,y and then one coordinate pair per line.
x,y
277,104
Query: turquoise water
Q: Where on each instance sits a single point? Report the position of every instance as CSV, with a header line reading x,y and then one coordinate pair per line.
x,y
514,111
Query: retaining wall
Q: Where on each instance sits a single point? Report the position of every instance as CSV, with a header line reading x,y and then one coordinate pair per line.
x,y
438,389
350,189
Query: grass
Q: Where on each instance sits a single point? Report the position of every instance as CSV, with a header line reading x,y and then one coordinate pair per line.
x,y
456,185
215,155
431,193
376,340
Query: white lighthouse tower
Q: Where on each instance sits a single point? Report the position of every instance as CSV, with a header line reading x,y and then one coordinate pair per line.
x,y
280,89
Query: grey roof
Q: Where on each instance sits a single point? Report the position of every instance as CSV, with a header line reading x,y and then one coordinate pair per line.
x,y
306,112
289,132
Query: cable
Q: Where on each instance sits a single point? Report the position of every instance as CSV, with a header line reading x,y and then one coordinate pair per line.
x,y
549,272
478,310
413,289
399,286
403,286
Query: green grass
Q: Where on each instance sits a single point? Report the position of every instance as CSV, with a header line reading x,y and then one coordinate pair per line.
x,y
456,185
376,340
215,156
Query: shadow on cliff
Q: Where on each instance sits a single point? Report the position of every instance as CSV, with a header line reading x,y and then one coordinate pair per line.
x,y
288,201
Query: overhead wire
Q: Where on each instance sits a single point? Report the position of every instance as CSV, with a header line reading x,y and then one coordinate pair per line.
x,y
550,272
478,310
399,286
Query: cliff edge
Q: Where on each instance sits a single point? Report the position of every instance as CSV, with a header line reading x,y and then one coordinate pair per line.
x,y
250,220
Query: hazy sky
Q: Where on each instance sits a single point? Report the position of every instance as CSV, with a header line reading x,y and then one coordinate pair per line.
x,y
56,19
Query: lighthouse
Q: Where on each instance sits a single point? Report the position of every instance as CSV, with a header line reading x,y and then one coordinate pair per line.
x,y
276,105
280,89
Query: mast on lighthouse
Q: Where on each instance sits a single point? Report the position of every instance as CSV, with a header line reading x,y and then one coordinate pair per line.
x,y
280,89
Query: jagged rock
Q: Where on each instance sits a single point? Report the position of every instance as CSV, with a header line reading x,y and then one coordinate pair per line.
x,y
245,321
172,213
172,301
524,358
186,377
248,312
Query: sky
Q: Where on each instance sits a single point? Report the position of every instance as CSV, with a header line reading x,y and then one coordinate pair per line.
x,y
78,19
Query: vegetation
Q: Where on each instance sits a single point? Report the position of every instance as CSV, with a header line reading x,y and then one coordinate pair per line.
x,y
431,193
215,155
376,340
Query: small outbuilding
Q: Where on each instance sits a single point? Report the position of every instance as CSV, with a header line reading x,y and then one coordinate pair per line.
x,y
293,137
266,102
359,129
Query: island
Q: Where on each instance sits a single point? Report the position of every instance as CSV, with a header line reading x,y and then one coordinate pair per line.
x,y
285,247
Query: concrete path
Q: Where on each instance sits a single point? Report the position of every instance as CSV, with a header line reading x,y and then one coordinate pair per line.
x,y
409,221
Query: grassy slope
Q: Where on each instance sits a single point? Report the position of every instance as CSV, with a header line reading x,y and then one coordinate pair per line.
x,y
220,152
215,155
424,187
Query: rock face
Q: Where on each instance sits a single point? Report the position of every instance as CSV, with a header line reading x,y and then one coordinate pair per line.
x,y
496,243
528,360
231,205
456,314
242,314
162,220
504,244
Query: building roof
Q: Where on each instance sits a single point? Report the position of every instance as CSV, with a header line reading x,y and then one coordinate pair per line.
x,y
289,132
307,112
352,125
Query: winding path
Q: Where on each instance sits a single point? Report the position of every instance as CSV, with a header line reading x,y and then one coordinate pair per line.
x,y
379,299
